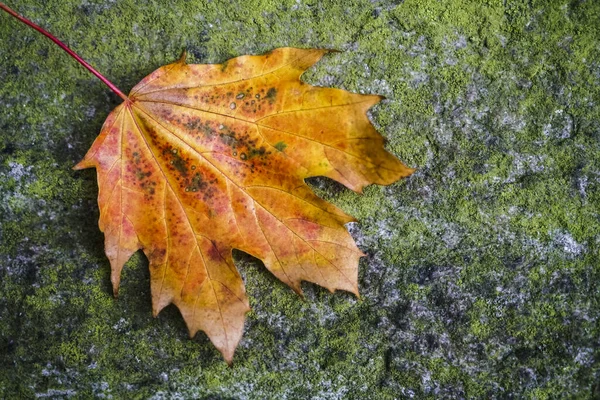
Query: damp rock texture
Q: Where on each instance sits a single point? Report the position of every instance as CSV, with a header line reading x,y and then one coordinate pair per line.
x,y
482,269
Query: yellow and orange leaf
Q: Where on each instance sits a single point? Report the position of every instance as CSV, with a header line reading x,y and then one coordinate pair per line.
x,y
203,159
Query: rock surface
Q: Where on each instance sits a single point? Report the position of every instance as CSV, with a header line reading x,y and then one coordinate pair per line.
x,y
482,269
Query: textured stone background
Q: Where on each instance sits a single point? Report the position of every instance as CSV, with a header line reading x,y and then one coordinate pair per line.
x,y
482,272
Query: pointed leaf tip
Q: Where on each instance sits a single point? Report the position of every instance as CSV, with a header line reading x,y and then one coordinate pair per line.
x,y
83,164
183,57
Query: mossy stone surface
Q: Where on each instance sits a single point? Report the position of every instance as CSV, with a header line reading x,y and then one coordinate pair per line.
x,y
482,272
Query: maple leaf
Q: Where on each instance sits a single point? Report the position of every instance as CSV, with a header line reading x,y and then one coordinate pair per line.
x,y
203,159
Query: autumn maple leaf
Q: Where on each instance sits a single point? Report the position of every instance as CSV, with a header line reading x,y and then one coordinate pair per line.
x,y
203,159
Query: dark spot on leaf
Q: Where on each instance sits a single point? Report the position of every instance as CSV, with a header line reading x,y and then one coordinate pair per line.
x,y
179,163
280,146
271,95
228,139
196,184
254,152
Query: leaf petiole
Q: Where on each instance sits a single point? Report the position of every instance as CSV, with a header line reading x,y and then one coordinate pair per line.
x,y
67,49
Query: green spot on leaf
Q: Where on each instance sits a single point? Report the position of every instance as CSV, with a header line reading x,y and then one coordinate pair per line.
x,y
280,146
